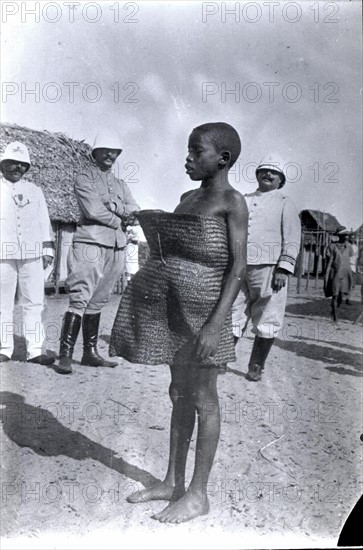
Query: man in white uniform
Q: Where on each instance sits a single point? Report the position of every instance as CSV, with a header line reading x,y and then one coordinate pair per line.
x,y
274,233
26,250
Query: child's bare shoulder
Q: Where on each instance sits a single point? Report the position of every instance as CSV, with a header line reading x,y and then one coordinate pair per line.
x,y
186,194
234,199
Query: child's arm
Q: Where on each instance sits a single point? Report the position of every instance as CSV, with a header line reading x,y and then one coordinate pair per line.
x,y
207,339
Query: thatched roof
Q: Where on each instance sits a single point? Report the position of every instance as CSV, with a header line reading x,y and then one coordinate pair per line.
x,y
56,160
323,221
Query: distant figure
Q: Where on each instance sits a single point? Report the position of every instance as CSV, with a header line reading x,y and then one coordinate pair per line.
x,y
353,263
177,310
97,257
359,279
338,277
27,250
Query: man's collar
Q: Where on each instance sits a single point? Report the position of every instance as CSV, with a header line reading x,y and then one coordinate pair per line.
x,y
266,192
4,180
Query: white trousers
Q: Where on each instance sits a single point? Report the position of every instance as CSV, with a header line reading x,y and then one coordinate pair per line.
x,y
29,276
257,301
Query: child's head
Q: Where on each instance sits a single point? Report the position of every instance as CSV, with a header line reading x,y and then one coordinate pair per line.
x,y
224,138
212,148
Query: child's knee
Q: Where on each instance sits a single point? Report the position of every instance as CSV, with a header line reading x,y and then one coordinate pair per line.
x,y
176,392
204,396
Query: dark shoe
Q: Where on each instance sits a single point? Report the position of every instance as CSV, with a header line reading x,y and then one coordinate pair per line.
x,y
4,358
261,349
348,302
91,357
254,373
42,360
70,330
64,366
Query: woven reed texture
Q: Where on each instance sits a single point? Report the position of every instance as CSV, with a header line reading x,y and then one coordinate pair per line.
x,y
168,301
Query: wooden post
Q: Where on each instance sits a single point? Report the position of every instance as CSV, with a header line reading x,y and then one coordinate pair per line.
x,y
301,264
317,256
58,256
309,265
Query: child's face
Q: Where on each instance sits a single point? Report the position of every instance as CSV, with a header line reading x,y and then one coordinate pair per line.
x,y
203,160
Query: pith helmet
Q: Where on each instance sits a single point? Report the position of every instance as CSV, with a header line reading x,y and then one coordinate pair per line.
x,y
107,138
16,151
273,162
341,230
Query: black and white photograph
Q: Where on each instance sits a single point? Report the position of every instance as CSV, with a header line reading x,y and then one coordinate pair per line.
x,y
181,275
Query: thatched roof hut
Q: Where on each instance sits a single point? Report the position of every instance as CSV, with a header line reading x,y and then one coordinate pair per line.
x,y
318,221
56,160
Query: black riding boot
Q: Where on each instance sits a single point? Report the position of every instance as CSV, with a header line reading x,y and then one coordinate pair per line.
x,y
260,351
70,330
90,327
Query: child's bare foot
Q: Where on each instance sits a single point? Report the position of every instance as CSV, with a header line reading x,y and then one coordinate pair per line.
x,y
160,491
186,508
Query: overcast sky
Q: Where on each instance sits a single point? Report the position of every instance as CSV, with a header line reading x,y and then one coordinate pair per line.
x,y
155,70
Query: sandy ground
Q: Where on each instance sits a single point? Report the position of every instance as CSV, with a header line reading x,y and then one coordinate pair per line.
x,y
287,470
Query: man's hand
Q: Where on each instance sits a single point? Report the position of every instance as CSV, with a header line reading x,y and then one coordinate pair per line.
x,y
279,279
128,219
207,340
111,206
47,260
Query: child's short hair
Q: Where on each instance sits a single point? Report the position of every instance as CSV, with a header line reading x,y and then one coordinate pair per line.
x,y
223,137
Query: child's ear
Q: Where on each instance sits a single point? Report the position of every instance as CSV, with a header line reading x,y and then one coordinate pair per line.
x,y
225,157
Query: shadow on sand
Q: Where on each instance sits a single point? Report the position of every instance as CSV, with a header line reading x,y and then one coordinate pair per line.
x,y
320,307
39,430
338,360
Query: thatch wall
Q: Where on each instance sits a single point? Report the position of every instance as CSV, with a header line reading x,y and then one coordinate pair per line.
x,y
56,161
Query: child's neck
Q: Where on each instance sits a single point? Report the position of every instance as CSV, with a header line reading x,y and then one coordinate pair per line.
x,y
217,181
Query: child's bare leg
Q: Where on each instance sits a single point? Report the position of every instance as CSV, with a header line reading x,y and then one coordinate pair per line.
x,y
181,430
195,503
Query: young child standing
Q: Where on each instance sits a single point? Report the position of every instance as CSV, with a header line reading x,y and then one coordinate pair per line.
x,y
176,310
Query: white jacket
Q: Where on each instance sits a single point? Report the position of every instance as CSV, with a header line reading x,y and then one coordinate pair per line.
x,y
25,225
274,229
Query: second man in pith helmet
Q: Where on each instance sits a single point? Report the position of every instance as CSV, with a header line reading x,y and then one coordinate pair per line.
x,y
97,256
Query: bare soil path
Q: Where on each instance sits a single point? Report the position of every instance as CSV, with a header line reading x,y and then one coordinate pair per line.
x,y
288,467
